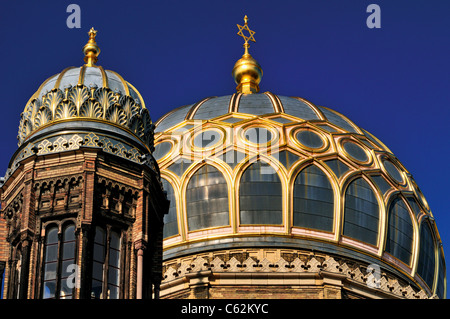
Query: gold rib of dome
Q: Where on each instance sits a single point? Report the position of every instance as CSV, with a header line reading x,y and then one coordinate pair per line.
x,y
86,92
247,72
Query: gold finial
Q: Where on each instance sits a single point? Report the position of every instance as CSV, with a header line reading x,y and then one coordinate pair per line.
x,y
246,39
247,72
91,49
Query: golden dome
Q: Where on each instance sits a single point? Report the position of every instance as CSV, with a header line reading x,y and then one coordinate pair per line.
x,y
87,93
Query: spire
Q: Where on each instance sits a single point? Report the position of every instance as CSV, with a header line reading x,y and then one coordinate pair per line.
x,y
247,72
91,50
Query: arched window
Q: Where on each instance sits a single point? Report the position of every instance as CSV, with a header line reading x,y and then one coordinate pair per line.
x,y
313,200
106,265
440,289
260,196
400,231
59,263
207,199
170,219
427,259
361,212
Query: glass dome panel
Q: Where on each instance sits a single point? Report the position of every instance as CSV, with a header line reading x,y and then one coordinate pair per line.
x,y
260,196
427,260
207,199
361,212
170,219
400,231
313,200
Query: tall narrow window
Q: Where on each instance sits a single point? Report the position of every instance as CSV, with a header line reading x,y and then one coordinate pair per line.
x,y
114,266
50,263
58,257
98,262
68,260
106,265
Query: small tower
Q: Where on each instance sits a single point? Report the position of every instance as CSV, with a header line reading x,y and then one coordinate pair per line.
x,y
82,204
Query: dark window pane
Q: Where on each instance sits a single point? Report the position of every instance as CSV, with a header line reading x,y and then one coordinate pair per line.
x,y
115,241
441,277
49,289
361,212
113,276
260,196
313,200
69,233
50,271
114,257
66,291
99,253
355,151
99,236
400,232
309,139
66,268
207,199
51,252
97,271
96,289
69,250
427,260
170,219
52,236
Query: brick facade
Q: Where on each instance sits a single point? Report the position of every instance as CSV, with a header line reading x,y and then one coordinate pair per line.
x,y
86,187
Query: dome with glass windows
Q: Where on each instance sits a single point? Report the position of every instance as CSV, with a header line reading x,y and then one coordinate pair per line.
x,y
270,175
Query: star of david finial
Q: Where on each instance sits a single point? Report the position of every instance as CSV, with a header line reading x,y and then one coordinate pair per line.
x,y
246,38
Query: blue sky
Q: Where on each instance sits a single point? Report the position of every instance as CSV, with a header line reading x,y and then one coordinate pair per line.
x,y
392,81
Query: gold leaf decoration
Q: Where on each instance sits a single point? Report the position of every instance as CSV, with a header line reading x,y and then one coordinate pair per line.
x,y
43,116
105,98
116,114
136,125
91,108
52,99
78,95
129,106
65,110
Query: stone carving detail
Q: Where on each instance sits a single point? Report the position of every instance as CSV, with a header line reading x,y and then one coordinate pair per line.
x,y
80,101
356,273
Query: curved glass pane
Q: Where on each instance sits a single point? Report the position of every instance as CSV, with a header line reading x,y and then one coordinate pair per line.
x,y
258,135
161,150
400,232
427,260
309,139
170,219
393,171
260,197
207,199
313,200
361,212
355,151
207,138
